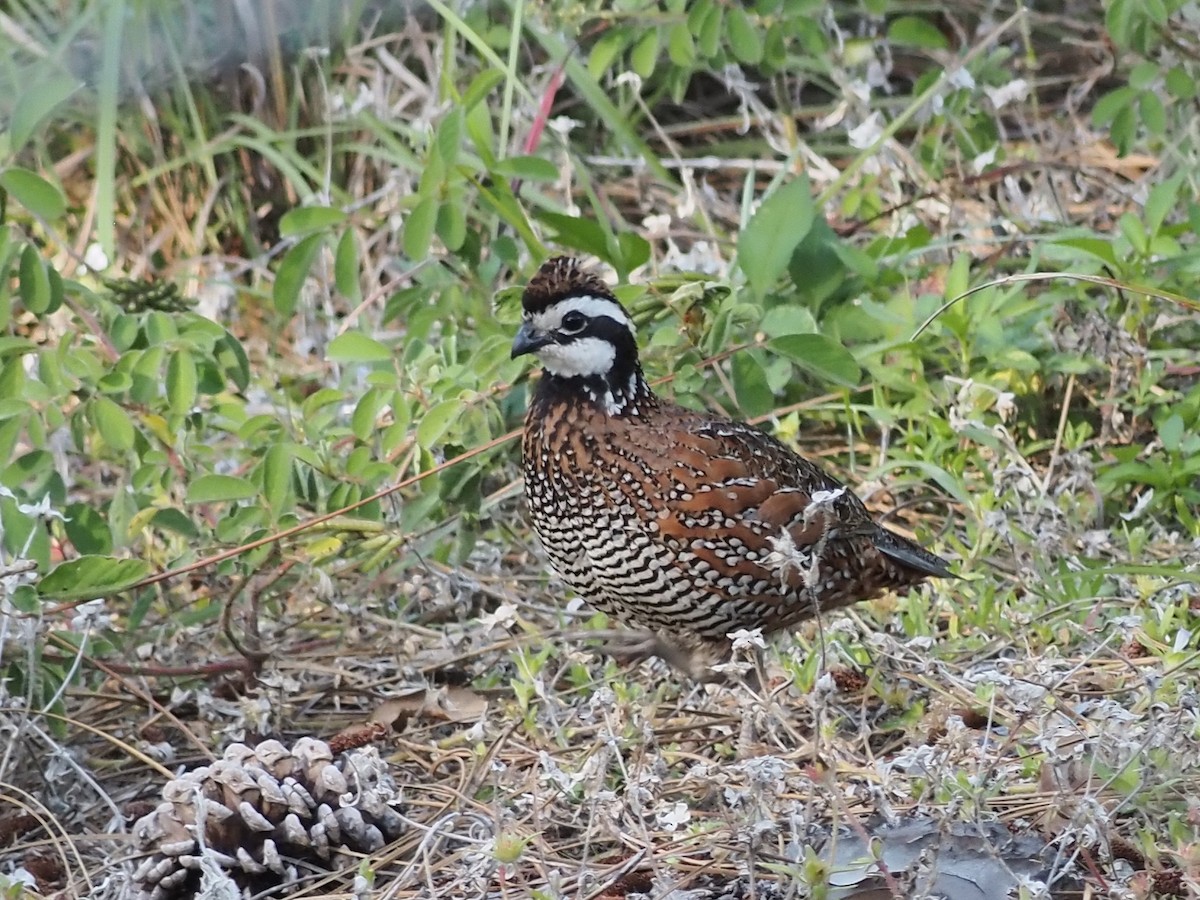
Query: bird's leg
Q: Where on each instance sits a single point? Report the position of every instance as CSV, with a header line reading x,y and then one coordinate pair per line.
x,y
691,658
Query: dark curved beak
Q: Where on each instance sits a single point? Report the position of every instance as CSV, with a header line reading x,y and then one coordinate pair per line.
x,y
529,340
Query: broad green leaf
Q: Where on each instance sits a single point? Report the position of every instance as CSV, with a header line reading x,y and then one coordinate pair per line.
x,y
213,488
449,136
681,47
769,238
366,412
147,374
1098,247
87,529
711,31
577,233
482,85
171,519
644,55
293,270
35,283
181,382
818,354
914,31
452,224
1154,114
744,37
530,168
789,319
304,219
345,267
356,347
92,576
418,229
436,421
605,51
231,356
34,102
775,48
277,477
698,10
1111,104
33,192
753,394
113,423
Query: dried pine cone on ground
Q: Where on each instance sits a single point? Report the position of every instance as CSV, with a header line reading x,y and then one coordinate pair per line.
x,y
262,815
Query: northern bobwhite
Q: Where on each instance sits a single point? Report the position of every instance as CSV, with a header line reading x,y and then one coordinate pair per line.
x,y
684,524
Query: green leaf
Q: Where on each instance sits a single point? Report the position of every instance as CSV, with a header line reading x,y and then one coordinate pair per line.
x,y
437,421
744,38
171,519
1162,199
710,31
113,423
277,477
87,529
1112,103
644,55
356,347
1154,114
220,489
784,320
33,192
750,385
181,382
577,233
345,267
35,283
1171,433
366,411
293,270
819,355
418,229
529,168
769,238
449,136
681,47
605,50
914,31
1100,248
304,219
483,84
92,576
452,225
35,101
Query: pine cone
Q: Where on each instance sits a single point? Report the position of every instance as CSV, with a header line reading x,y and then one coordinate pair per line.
x,y
260,813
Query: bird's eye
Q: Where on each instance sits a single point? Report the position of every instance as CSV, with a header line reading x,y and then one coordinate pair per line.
x,y
573,322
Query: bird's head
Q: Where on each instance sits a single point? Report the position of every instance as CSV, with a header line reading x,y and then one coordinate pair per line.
x,y
580,333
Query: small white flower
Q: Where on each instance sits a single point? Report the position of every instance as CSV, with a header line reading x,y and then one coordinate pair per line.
x,y
1009,92
89,616
504,615
563,125
863,136
674,816
631,78
95,258
1146,498
747,639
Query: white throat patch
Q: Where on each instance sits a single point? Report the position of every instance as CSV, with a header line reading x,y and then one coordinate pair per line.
x,y
587,356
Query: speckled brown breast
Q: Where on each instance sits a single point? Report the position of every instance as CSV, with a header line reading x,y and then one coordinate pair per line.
x,y
670,521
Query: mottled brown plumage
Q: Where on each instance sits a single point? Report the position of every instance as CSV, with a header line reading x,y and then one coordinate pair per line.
x,y
679,522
